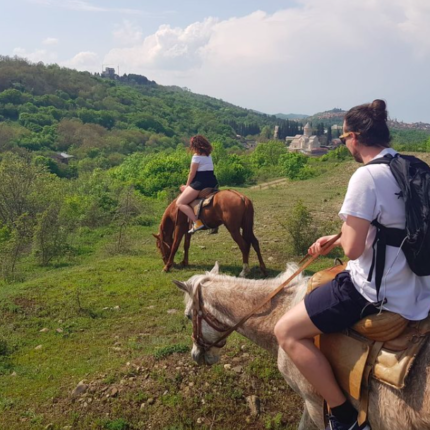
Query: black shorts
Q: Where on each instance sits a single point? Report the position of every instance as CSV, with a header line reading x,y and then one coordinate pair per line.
x,y
337,305
204,180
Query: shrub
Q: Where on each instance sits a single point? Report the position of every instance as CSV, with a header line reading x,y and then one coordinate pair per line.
x,y
293,163
119,424
169,350
300,226
232,171
50,235
151,174
268,154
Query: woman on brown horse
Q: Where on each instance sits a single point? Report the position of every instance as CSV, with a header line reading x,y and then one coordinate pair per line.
x,y
201,176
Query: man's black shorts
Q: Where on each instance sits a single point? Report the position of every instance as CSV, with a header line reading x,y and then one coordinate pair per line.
x,y
337,305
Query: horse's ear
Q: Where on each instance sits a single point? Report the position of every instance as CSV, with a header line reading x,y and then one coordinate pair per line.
x,y
157,236
215,269
181,285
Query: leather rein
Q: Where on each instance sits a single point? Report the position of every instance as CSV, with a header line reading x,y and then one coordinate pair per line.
x,y
200,313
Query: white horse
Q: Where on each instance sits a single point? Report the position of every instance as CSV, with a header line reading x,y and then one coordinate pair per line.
x,y
228,299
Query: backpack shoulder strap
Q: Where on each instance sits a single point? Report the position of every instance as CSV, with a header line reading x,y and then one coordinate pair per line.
x,y
386,159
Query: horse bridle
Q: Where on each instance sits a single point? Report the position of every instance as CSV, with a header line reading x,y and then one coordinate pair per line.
x,y
200,313
163,242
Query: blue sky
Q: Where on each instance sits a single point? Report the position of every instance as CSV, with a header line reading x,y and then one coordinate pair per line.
x,y
300,56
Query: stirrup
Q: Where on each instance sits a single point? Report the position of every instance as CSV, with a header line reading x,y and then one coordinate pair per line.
x,y
197,225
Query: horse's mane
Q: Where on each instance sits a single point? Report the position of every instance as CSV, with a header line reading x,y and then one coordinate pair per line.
x,y
249,287
168,219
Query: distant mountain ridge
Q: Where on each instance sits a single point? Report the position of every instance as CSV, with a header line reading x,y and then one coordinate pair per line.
x,y
336,116
293,116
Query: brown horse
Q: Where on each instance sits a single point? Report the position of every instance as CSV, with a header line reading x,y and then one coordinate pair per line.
x,y
228,207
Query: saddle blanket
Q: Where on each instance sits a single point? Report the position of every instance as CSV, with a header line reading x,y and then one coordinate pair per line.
x,y
204,199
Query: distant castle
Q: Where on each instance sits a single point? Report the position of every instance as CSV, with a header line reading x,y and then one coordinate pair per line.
x,y
305,142
109,72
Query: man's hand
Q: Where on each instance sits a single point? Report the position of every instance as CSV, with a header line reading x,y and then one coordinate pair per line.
x,y
315,248
182,188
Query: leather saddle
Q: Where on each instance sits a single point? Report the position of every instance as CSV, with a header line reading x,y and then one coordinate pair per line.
x,y
204,199
382,346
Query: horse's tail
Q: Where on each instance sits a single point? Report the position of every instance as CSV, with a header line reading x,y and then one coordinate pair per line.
x,y
248,220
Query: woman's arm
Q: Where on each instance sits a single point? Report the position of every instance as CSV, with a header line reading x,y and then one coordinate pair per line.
x,y
192,174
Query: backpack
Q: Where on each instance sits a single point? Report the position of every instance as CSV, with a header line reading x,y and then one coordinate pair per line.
x,y
413,177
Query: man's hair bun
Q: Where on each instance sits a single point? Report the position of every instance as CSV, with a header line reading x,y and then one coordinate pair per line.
x,y
379,110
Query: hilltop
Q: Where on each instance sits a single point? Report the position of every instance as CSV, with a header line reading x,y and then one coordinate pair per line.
x,y
40,103
336,115
294,116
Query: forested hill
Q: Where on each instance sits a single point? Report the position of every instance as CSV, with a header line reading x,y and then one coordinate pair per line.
x,y
49,108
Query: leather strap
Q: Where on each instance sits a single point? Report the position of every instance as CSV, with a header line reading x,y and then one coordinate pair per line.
x,y
307,261
384,236
365,383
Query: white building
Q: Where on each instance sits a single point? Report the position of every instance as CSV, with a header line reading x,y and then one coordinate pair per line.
x,y
305,142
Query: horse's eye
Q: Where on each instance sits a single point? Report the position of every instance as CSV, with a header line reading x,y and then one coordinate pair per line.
x,y
189,317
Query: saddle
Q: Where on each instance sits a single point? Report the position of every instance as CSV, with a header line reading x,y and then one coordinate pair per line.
x,y
382,346
204,199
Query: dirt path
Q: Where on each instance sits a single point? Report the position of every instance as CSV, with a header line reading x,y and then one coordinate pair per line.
x,y
266,185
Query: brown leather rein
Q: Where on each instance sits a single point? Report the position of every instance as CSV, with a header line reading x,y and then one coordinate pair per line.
x,y
200,313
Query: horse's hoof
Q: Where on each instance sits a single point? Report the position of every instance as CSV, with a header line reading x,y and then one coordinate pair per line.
x,y
165,269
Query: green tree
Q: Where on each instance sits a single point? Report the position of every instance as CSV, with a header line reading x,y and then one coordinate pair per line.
x,y
268,153
232,171
219,153
293,163
329,135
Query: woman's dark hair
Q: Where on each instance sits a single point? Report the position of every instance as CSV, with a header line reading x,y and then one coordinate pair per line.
x,y
369,121
200,145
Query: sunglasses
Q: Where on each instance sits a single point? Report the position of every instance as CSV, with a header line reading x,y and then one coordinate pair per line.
x,y
344,136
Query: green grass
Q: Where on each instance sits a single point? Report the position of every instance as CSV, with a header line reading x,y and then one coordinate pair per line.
x,y
115,331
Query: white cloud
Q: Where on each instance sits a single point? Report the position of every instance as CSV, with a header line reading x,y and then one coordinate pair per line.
x,y
84,6
169,48
415,28
37,55
84,61
127,33
320,54
50,41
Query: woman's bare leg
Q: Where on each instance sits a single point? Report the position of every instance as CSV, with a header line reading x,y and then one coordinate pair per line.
x,y
295,332
187,196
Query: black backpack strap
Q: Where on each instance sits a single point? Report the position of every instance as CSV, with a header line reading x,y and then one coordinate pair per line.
x,y
386,159
384,236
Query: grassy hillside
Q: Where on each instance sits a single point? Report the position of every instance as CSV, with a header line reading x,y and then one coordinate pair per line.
x,y
49,108
116,322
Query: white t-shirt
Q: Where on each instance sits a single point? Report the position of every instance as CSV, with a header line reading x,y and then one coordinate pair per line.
x,y
372,194
204,161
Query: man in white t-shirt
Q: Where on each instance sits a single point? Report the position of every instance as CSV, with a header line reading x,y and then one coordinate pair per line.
x,y
372,194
